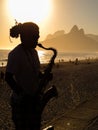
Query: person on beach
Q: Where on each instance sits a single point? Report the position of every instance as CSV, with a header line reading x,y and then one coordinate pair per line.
x,y
23,75
2,77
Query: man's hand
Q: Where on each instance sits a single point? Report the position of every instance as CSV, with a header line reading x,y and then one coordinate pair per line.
x,y
12,83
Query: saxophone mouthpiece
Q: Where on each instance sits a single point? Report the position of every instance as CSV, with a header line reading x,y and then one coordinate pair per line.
x,y
39,44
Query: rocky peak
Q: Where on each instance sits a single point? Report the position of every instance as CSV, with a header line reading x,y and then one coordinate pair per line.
x,y
74,29
81,31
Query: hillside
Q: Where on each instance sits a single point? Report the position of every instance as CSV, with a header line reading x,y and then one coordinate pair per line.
x,y
74,41
95,37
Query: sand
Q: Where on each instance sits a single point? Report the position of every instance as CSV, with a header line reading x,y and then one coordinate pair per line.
x,y
76,84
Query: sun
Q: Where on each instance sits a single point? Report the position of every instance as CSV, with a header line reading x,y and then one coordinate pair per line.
x,y
29,10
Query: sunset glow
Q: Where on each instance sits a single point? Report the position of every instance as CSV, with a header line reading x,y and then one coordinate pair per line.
x,y
30,10
50,15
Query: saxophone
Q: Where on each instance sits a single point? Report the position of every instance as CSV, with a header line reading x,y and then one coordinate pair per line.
x,y
45,80
52,91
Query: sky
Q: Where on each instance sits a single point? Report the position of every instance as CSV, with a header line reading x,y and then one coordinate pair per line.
x,y
50,15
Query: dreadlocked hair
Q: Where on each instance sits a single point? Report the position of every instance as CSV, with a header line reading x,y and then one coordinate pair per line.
x,y
15,30
23,28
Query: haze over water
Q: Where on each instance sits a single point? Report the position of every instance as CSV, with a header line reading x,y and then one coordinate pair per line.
x,y
61,57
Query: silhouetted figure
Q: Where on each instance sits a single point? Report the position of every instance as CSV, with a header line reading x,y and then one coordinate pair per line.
x,y
2,75
23,76
2,64
76,61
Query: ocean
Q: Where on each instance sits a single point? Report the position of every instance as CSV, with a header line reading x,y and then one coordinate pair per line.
x,y
67,56
45,56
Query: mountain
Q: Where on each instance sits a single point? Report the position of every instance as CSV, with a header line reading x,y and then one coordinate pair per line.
x,y
74,41
95,37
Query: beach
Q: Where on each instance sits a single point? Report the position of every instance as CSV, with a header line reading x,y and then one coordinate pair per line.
x,y
77,84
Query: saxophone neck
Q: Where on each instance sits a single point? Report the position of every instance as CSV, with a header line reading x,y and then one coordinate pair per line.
x,y
50,48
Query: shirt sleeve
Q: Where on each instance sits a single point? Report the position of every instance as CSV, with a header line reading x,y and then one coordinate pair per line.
x,y
12,64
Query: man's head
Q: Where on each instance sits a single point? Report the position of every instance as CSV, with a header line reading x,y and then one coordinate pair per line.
x,y
29,33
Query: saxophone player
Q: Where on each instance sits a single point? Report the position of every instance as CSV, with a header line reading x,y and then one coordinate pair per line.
x,y
22,75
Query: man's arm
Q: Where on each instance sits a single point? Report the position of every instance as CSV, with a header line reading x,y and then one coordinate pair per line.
x,y
12,83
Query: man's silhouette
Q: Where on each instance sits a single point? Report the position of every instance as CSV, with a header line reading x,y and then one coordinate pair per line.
x,y
22,74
